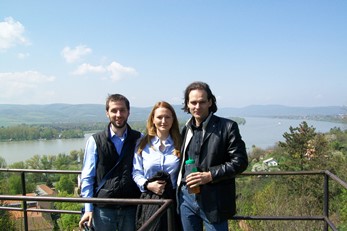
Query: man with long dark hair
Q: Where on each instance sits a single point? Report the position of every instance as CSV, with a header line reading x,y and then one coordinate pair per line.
x,y
215,145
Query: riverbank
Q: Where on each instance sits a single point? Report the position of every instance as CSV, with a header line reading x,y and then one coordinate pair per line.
x,y
260,132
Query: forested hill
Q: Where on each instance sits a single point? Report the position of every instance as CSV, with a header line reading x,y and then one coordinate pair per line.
x,y
279,111
11,114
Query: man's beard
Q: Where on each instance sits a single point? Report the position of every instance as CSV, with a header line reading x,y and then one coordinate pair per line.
x,y
114,123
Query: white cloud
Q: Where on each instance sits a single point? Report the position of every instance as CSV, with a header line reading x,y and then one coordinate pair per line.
x,y
15,84
72,55
116,70
11,33
86,68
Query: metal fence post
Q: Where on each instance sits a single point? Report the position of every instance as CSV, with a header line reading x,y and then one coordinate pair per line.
x,y
25,212
326,200
170,218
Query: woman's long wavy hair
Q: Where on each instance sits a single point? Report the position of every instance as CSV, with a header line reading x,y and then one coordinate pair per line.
x,y
151,130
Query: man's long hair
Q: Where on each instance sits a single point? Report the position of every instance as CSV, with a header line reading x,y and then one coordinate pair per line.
x,y
199,86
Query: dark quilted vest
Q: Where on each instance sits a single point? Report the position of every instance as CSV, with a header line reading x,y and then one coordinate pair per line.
x,y
120,183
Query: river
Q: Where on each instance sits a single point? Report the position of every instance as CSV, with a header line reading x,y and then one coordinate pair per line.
x,y
261,132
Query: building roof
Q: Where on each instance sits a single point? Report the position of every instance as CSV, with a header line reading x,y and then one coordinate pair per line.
x,y
36,220
44,190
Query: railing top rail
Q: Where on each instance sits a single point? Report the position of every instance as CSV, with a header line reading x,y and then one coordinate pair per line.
x,y
244,173
40,171
317,172
120,201
274,218
336,178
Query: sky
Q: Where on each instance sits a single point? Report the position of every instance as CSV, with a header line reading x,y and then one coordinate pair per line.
x,y
287,52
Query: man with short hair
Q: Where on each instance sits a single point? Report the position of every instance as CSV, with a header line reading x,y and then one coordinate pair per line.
x,y
107,170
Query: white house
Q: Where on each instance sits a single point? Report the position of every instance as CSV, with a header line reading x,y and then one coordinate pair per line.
x,y
270,162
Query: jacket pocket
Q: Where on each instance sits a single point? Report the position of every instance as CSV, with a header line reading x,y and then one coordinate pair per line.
x,y
105,193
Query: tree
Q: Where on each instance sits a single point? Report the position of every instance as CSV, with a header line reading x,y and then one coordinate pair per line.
x,y
305,150
3,163
18,165
15,184
6,223
68,221
2,175
343,210
66,184
296,145
47,163
62,161
77,156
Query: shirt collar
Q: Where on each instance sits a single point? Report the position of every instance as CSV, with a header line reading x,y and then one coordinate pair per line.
x,y
114,134
156,141
191,122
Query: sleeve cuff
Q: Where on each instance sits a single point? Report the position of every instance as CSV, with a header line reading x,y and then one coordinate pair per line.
x,y
145,186
89,207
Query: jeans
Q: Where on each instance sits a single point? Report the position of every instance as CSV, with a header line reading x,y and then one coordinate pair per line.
x,y
192,217
114,219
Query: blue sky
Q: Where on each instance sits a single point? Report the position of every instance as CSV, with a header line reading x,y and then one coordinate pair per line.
x,y
291,52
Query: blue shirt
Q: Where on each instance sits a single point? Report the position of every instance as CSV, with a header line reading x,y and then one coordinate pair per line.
x,y
151,160
89,165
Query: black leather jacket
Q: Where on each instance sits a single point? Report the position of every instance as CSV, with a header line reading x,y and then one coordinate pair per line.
x,y
223,153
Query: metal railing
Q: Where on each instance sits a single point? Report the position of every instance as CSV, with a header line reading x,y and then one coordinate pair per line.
x,y
324,217
166,205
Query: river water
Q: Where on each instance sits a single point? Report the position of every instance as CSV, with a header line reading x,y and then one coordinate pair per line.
x,y
261,132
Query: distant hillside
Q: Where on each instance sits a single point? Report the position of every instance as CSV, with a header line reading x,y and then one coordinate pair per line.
x,y
11,114
280,111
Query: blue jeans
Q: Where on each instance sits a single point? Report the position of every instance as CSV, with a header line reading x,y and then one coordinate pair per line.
x,y
112,219
192,217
